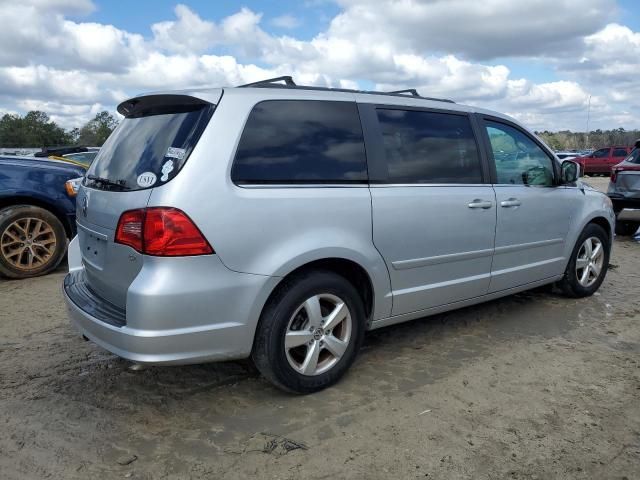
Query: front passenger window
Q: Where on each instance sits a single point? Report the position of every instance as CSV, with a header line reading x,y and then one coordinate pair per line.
x,y
518,159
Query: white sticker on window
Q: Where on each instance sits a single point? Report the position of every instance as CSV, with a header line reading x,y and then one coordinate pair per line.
x,y
167,168
147,179
173,152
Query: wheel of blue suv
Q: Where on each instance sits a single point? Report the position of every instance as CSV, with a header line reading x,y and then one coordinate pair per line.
x,y
32,241
588,263
309,332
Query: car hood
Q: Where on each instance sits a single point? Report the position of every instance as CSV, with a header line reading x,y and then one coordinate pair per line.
x,y
42,163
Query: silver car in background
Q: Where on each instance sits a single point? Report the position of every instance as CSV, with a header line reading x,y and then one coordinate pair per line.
x,y
281,222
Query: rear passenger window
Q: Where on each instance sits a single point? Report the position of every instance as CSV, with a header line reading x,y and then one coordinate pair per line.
x,y
301,141
429,147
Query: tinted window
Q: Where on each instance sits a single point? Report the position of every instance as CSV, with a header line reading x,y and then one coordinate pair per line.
x,y
150,149
297,141
518,159
429,147
619,152
602,153
634,157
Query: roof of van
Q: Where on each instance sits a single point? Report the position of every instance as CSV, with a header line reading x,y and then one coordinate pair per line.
x,y
360,96
272,89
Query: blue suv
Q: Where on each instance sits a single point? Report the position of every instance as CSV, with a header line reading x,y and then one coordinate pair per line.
x,y
37,214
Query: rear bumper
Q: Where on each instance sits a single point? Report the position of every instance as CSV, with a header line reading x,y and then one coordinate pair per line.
x,y
161,347
215,322
627,207
629,215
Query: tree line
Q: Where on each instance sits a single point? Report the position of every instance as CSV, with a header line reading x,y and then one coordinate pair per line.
x,y
35,129
567,140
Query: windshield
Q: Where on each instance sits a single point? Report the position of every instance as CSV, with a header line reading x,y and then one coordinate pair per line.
x,y
634,157
149,148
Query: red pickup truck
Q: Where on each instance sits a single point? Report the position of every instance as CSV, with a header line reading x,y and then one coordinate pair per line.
x,y
603,160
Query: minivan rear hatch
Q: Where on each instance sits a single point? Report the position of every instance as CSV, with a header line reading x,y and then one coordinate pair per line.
x,y
147,150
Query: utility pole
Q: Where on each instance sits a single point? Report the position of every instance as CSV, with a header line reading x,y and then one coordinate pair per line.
x,y
588,114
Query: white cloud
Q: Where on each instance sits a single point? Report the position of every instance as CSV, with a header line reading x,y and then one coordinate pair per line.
x,y
70,68
188,34
471,28
286,21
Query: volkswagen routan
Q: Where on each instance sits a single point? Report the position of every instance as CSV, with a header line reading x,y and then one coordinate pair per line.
x,y
281,222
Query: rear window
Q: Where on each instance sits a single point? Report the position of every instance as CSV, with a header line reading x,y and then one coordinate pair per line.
x,y
634,157
301,141
151,144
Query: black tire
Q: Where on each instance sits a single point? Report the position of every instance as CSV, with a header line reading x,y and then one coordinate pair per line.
x,y
55,240
570,284
269,354
626,228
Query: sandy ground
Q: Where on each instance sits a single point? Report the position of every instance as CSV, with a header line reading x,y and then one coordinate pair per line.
x,y
530,386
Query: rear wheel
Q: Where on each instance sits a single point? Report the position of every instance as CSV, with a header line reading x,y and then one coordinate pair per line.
x,y
310,332
588,264
32,241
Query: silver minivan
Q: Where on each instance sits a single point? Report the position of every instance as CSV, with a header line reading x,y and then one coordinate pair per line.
x,y
280,222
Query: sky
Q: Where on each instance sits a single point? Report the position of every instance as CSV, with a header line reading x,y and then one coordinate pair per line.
x,y
541,61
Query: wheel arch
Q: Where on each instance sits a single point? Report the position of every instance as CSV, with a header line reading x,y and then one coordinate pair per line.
x,y
349,269
605,224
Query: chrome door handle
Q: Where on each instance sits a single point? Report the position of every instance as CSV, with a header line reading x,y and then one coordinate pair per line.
x,y
477,203
512,202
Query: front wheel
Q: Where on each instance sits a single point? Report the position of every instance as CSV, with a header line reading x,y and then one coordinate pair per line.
x,y
588,264
310,332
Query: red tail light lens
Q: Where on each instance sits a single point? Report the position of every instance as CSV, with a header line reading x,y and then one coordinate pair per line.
x,y
161,231
614,175
168,232
129,231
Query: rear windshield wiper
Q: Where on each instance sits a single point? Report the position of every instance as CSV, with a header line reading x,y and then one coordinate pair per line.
x,y
110,183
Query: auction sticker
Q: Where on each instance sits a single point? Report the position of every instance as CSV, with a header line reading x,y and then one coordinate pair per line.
x,y
173,152
146,179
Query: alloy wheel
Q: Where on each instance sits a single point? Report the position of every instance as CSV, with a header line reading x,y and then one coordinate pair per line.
x,y
28,243
318,334
590,261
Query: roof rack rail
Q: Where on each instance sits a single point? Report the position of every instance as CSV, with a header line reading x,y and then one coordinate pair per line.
x,y
289,83
287,79
412,91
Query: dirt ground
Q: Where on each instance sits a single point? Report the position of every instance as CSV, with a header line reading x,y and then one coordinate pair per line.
x,y
530,386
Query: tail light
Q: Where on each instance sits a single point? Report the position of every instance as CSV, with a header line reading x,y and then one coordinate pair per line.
x,y
162,232
614,175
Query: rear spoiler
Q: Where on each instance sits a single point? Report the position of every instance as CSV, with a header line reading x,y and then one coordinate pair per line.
x,y
160,104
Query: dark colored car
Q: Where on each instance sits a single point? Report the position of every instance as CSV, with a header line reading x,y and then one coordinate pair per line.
x,y
624,192
602,160
59,151
37,214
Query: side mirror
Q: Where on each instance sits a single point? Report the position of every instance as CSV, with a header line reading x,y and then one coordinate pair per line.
x,y
570,172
